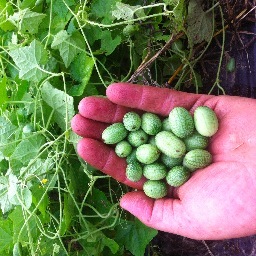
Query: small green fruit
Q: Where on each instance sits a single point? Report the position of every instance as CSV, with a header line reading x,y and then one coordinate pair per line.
x,y
151,123
181,122
177,176
147,153
152,140
132,121
132,157
196,159
171,161
166,125
155,189
123,148
206,121
137,138
170,145
114,133
231,65
134,171
155,171
196,141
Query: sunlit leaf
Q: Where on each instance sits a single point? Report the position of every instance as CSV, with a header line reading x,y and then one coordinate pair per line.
x,y
30,61
27,21
60,102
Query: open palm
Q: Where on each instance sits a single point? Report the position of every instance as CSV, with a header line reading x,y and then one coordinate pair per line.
x,y
217,202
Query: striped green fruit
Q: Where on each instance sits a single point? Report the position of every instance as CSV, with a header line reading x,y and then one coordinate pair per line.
x,y
206,121
132,121
177,176
151,123
171,161
181,122
137,138
166,125
155,189
147,153
155,171
195,141
123,148
134,171
196,159
132,157
114,133
170,145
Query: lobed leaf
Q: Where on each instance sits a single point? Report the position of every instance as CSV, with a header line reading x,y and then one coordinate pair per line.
x,y
68,45
30,61
135,236
61,103
27,21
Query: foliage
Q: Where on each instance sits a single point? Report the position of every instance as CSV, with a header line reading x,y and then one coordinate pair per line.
x,y
52,54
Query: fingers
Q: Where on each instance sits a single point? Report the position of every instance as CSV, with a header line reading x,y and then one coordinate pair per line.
x,y
123,97
86,127
153,99
162,214
165,214
104,158
101,109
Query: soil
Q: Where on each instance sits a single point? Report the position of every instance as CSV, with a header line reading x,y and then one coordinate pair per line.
x,y
240,45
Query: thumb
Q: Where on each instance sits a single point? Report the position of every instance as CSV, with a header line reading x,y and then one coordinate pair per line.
x,y
166,214
158,214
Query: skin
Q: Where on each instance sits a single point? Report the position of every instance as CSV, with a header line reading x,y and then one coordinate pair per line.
x,y
217,202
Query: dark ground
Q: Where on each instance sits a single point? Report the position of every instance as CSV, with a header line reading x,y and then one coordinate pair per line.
x,y
240,45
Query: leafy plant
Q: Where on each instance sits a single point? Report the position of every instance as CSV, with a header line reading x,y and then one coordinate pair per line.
x,y
52,54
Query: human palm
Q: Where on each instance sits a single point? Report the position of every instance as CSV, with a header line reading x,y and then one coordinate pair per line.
x,y
217,202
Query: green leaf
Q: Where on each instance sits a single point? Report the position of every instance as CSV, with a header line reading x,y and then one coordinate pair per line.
x,y
111,244
5,10
27,21
6,235
108,44
135,236
127,12
18,195
81,70
200,23
17,249
26,150
61,104
81,66
21,231
3,92
96,243
37,167
30,61
68,213
60,8
68,45
179,12
7,135
6,205
40,199
13,193
103,9
98,200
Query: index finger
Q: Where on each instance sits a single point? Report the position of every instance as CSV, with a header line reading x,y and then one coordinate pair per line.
x,y
154,99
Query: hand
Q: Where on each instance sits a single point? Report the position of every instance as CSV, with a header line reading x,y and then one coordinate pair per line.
x,y
217,202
